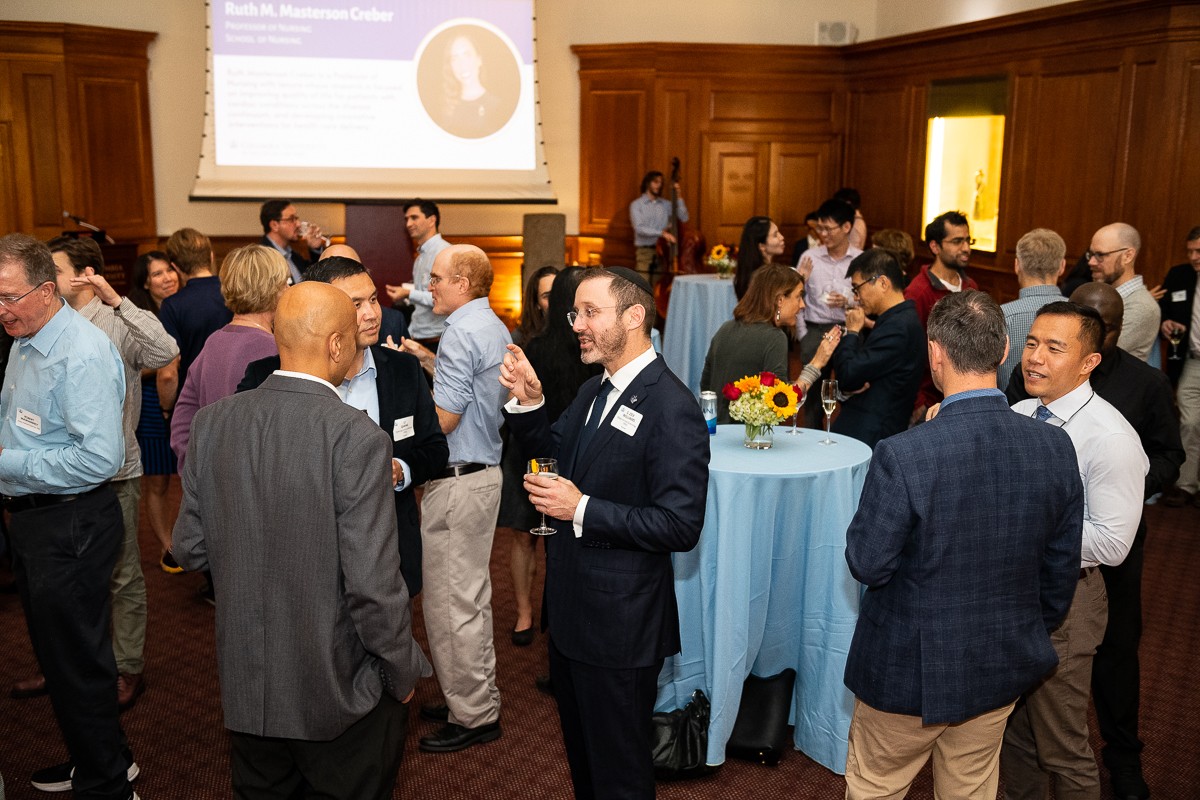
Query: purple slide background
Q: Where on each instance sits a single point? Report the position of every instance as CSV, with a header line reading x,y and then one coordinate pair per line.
x,y
396,40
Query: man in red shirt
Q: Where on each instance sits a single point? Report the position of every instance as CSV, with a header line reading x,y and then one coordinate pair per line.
x,y
949,239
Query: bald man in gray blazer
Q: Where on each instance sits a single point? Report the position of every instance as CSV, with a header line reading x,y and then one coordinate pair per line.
x,y
287,499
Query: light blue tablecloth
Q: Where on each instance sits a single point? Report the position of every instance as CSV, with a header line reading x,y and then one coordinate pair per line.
x,y
768,587
699,305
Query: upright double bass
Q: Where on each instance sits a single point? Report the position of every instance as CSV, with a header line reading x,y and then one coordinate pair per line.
x,y
682,254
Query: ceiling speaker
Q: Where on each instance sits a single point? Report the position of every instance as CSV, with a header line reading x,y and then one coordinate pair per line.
x,y
836,33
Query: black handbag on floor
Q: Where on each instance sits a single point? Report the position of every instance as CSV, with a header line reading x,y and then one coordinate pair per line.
x,y
679,740
760,730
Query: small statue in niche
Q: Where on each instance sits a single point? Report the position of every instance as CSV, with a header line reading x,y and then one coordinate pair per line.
x,y
977,206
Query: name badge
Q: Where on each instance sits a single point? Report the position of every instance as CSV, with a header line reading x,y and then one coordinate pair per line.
x,y
402,429
27,420
1179,297
626,420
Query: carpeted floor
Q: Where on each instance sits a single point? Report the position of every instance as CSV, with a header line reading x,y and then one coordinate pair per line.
x,y
181,747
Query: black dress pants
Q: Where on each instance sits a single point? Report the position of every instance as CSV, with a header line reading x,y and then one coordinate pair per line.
x,y
360,764
605,716
1116,674
63,558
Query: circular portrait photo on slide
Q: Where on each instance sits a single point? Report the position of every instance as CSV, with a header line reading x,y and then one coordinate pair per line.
x,y
468,80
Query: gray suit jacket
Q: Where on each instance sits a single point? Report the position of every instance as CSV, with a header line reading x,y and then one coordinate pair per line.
x,y
287,499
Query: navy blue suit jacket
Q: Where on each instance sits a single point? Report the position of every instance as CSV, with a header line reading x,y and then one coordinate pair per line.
x,y
403,392
610,595
892,359
1181,278
967,537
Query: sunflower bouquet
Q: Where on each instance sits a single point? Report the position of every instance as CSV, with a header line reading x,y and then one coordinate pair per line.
x,y
720,258
759,402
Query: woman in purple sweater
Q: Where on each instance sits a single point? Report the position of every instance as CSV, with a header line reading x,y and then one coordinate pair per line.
x,y
252,279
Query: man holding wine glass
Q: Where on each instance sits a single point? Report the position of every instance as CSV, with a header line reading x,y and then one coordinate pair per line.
x,y
1181,323
891,359
627,495
282,227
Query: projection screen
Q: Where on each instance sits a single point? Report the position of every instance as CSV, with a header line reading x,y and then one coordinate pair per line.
x,y
385,100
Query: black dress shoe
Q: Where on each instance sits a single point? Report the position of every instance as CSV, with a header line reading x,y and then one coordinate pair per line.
x,y
455,737
435,713
523,638
1128,783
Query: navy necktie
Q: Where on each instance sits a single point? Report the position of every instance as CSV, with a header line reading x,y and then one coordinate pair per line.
x,y
1043,414
593,423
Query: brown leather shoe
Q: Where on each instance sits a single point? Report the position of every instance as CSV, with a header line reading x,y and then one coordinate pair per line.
x,y
30,687
129,689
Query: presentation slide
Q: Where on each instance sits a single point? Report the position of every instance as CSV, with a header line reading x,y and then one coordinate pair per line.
x,y
372,95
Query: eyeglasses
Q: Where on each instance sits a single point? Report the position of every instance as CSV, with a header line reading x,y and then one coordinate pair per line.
x,y
959,240
854,287
827,228
12,301
292,218
434,280
588,313
1088,255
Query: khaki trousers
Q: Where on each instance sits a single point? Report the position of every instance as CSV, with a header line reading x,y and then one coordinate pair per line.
x,y
128,585
1048,732
1187,395
888,750
458,523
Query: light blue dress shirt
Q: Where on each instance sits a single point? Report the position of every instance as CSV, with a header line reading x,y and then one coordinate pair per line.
x,y
650,216
362,393
60,410
467,381
425,324
1018,316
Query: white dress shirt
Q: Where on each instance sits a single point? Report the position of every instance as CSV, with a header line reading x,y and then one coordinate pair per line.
x,y
620,381
1113,467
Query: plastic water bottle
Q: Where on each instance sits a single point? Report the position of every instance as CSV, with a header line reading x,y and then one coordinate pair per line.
x,y
708,407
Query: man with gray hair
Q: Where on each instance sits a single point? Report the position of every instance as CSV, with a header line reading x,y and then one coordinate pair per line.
x,y
60,445
1112,255
458,511
1041,258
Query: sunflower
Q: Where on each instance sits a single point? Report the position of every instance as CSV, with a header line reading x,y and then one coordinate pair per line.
x,y
719,252
750,383
782,399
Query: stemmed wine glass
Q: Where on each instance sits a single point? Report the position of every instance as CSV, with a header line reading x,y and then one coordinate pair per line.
x,y
1175,338
548,467
829,399
799,387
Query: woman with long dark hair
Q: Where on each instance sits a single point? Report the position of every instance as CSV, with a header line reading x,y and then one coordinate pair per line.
x,y
154,280
555,351
761,244
534,304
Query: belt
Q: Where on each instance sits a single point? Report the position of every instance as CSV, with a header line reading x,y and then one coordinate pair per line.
x,y
1083,573
28,502
460,470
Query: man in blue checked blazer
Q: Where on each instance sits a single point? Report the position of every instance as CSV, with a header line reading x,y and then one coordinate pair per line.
x,y
968,540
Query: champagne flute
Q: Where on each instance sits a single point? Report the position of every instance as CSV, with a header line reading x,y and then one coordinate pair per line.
x,y
1175,338
829,399
799,387
549,468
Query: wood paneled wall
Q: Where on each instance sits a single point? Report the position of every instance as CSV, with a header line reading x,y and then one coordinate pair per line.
x,y
75,130
1103,124
751,138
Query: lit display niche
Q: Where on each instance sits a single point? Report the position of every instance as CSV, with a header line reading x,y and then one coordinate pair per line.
x,y
964,153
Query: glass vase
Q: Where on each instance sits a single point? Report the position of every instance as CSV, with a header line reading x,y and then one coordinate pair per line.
x,y
759,437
